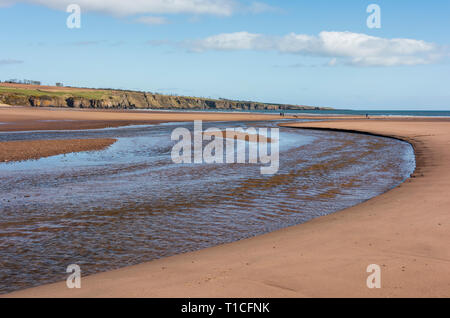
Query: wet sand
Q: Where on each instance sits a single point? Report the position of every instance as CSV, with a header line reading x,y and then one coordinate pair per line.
x,y
35,149
16,118
406,231
29,118
239,136
38,119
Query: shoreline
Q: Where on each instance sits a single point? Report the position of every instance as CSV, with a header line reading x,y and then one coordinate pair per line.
x,y
325,257
38,119
25,118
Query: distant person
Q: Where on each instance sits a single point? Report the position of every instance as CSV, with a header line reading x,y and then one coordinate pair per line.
x,y
367,116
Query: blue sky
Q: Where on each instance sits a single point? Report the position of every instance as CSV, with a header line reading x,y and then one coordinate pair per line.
x,y
301,52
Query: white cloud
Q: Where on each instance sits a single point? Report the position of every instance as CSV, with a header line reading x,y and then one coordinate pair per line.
x,y
134,7
228,41
152,20
343,47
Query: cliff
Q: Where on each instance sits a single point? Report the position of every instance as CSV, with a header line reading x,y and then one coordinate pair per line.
x,y
49,96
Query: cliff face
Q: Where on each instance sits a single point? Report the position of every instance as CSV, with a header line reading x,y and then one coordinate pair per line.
x,y
134,100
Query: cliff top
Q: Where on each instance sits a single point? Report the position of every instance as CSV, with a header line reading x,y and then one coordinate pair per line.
x,y
37,91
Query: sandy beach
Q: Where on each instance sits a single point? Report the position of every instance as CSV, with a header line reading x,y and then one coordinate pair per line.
x,y
406,231
272,151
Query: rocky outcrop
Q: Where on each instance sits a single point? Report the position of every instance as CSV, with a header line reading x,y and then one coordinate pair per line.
x,y
13,99
138,100
47,101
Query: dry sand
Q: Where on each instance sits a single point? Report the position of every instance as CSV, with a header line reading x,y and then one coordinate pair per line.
x,y
406,231
238,135
35,149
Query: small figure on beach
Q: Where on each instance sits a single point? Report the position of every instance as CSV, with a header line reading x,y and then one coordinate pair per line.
x,y
367,116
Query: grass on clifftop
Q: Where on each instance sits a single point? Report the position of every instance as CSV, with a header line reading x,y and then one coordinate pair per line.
x,y
40,92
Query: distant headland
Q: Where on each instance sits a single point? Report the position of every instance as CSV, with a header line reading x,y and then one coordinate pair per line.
x,y
32,93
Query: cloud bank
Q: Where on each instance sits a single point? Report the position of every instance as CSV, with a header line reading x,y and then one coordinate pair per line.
x,y
349,48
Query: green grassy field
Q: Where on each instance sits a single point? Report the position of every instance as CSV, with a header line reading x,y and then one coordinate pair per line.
x,y
97,94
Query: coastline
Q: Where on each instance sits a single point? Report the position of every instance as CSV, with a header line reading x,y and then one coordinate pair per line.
x,y
326,257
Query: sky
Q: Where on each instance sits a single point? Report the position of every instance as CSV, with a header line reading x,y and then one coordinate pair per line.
x,y
318,53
